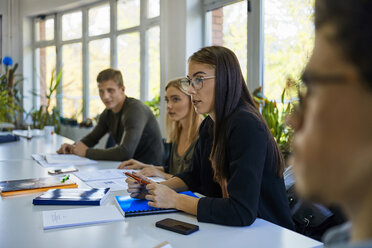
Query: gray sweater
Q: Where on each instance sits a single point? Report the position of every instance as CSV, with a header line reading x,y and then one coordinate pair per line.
x,y
135,131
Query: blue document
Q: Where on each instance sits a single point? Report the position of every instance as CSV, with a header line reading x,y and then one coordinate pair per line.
x,y
133,207
72,197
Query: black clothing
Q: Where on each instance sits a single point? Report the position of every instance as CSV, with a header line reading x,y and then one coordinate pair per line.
x,y
135,130
254,188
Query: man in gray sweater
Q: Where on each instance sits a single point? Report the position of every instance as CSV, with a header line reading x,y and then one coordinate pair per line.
x,y
130,122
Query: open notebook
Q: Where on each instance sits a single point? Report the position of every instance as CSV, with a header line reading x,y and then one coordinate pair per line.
x,y
133,207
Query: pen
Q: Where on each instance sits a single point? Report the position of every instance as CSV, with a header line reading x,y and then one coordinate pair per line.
x,y
65,178
138,179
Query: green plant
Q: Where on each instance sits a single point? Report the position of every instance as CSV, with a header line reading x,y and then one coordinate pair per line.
x,y
154,105
47,115
275,117
10,99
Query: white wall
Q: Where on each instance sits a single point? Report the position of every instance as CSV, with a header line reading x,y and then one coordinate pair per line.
x,y
181,35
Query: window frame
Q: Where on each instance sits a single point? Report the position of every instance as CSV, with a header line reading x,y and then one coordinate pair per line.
x,y
144,25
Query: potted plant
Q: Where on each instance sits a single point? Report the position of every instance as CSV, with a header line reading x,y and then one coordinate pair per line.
x,y
10,99
154,105
275,117
47,115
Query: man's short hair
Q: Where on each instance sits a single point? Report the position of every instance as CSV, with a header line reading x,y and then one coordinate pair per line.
x,y
110,74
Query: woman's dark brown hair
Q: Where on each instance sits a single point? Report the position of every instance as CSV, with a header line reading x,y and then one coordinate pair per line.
x,y
231,91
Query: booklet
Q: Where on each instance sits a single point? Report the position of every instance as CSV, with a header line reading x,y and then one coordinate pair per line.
x,y
133,207
25,186
80,216
72,197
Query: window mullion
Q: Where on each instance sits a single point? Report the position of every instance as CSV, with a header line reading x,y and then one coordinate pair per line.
x,y
85,64
255,45
34,74
143,51
58,39
113,28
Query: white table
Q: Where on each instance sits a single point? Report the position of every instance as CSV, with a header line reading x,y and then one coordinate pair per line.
x,y
21,222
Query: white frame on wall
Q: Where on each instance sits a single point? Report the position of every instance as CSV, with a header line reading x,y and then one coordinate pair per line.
x,y
144,26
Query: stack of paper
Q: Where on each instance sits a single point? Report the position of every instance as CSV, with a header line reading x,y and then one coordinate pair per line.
x,y
80,216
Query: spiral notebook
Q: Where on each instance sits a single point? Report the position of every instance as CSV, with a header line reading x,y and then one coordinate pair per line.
x,y
134,207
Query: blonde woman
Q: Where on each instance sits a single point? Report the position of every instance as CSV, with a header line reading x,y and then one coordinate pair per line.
x,y
182,124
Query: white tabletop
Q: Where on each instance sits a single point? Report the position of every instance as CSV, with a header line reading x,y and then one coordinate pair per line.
x,y
21,222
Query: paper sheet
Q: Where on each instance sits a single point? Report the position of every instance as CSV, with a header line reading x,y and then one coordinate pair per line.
x,y
113,184
40,158
106,174
66,158
80,216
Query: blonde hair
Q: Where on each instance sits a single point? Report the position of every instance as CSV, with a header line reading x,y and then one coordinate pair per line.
x,y
173,128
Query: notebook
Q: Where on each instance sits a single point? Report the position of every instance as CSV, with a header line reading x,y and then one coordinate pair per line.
x,y
72,197
26,186
134,207
80,216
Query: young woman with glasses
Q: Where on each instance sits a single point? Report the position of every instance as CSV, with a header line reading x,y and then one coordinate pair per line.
x,y
182,124
236,164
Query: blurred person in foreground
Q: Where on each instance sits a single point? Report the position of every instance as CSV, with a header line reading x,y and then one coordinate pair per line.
x,y
332,155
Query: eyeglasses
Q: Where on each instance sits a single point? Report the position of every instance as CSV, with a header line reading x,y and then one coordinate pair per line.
x,y
196,82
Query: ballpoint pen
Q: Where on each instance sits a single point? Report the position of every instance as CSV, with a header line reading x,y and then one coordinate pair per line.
x,y
137,178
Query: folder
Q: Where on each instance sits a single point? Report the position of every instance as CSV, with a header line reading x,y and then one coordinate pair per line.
x,y
134,207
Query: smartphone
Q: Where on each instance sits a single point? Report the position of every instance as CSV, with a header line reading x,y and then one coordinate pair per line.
x,y
177,226
62,171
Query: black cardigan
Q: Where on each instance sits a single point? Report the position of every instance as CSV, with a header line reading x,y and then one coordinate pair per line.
x,y
253,187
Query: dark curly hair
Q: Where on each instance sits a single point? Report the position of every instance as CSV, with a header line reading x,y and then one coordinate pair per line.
x,y
352,21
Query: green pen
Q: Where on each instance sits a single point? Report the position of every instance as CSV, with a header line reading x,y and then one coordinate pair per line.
x,y
65,178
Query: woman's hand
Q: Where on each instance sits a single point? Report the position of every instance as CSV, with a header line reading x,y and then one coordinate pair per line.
x,y
136,189
161,196
132,164
152,171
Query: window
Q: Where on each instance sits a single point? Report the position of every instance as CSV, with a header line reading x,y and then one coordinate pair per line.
x,y
99,59
154,61
44,60
44,29
288,42
287,38
229,28
99,20
72,26
46,65
154,8
72,85
128,13
129,62
122,34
